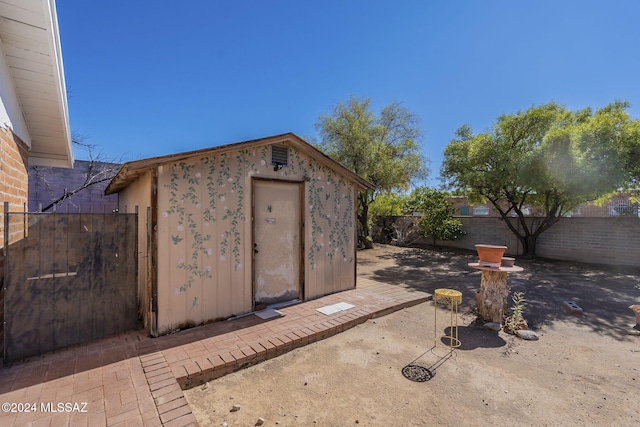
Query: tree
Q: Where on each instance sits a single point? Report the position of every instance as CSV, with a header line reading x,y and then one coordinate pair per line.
x,y
388,204
437,220
382,148
545,159
383,212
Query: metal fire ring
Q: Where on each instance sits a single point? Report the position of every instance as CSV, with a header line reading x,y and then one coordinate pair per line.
x,y
417,373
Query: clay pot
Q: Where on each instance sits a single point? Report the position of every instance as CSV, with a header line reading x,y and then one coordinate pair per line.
x,y
490,254
507,262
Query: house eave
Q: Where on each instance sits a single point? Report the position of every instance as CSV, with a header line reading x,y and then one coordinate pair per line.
x,y
31,44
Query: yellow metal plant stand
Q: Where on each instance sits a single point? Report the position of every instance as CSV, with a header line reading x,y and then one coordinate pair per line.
x,y
454,298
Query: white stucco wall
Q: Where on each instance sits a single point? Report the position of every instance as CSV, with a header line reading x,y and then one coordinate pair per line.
x,y
10,111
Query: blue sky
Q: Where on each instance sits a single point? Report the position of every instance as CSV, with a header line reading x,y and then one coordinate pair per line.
x,y
149,78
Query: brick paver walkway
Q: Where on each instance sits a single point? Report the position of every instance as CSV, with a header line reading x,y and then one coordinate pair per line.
x,y
133,380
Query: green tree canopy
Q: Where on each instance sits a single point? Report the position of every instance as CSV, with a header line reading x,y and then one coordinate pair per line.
x,y
437,220
547,159
382,148
388,204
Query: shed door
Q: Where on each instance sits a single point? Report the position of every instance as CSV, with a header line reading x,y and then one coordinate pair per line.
x,y
277,241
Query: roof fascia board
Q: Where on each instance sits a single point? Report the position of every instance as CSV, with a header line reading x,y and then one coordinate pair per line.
x,y
55,47
133,169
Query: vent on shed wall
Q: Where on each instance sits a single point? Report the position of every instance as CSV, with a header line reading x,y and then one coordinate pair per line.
x,y
279,155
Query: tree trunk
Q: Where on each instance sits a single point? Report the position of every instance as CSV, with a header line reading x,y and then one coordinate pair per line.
x,y
529,247
527,234
494,291
364,226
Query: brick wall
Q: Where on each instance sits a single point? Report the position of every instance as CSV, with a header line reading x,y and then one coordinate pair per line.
x,y
13,177
611,241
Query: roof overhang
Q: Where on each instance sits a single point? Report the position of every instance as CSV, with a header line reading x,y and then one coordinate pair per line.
x,y
130,171
31,44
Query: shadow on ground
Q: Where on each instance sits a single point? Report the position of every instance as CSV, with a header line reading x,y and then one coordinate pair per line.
x,y
603,292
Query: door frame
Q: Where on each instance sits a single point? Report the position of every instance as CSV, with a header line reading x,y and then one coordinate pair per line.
x,y
301,198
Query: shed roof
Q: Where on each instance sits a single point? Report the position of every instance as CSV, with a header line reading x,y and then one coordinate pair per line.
x,y
130,171
31,44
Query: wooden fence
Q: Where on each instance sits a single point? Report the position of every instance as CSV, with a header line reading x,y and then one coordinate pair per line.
x,y
69,279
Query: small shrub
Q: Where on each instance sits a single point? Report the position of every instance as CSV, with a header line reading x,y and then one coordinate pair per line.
x,y
515,321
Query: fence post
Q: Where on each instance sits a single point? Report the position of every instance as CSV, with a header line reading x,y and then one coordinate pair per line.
x,y
152,284
6,225
5,275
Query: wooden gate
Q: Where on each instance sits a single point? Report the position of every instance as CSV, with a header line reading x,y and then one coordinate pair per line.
x,y
69,278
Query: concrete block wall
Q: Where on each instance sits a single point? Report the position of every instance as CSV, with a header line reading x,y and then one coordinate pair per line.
x,y
614,241
48,183
610,241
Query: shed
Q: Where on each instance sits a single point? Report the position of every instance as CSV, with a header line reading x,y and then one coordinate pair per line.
x,y
228,230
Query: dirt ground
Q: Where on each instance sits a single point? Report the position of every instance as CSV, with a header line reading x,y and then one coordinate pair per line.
x,y
583,370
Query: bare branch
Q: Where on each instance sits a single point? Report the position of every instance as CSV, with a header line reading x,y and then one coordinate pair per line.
x,y
98,171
